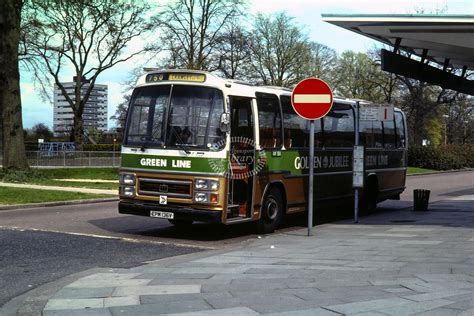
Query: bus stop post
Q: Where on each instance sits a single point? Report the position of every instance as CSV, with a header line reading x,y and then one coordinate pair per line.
x,y
356,141
311,177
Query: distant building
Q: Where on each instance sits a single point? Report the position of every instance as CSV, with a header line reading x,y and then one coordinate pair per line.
x,y
95,110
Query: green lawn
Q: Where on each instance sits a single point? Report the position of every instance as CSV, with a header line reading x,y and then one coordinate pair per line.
x,y
49,176
11,196
414,170
82,173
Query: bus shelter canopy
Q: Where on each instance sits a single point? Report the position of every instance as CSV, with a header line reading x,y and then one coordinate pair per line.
x,y
447,40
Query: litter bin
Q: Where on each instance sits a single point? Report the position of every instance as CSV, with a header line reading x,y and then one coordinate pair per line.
x,y
421,199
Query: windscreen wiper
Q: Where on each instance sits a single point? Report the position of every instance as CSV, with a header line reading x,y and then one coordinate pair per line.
x,y
147,141
181,145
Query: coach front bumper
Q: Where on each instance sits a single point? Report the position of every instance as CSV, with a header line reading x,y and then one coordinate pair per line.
x,y
180,213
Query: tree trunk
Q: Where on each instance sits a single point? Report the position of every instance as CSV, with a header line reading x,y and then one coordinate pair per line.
x,y
78,130
14,156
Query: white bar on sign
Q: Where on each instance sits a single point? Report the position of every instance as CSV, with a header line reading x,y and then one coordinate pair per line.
x,y
312,98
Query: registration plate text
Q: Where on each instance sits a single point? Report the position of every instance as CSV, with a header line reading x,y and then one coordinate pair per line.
x,y
160,214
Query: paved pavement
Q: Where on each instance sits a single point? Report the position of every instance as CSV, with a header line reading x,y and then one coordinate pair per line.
x,y
394,263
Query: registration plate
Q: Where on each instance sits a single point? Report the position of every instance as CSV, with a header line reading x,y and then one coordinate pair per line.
x,y
160,214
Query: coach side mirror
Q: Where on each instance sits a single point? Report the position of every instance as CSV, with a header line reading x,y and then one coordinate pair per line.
x,y
225,122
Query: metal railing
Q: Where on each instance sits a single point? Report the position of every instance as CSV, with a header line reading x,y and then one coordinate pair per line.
x,y
73,159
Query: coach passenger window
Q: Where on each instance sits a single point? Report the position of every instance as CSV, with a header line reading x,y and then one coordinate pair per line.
x,y
389,134
294,126
338,127
371,134
400,127
269,119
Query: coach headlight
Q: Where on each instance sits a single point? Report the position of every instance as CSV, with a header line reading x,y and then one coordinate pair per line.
x,y
127,178
206,184
205,197
128,192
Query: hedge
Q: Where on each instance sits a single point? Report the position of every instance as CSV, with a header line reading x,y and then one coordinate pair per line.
x,y
101,147
444,157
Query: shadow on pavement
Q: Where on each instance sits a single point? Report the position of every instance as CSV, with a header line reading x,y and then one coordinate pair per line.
x,y
456,212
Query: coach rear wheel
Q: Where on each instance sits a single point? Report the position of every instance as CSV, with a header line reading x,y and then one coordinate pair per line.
x,y
272,212
369,198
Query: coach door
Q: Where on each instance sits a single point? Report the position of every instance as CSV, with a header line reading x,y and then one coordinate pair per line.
x,y
242,159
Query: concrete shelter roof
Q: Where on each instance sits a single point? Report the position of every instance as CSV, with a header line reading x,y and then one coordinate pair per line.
x,y
441,36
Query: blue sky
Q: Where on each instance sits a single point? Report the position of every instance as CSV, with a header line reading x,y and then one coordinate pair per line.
x,y
307,14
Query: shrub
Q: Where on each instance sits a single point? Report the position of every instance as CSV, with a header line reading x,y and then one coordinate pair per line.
x,y
20,176
444,157
102,147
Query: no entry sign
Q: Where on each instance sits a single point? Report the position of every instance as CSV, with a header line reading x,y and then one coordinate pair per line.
x,y
312,98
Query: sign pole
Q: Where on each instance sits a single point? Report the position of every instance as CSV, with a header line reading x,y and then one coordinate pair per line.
x,y
311,178
311,99
356,193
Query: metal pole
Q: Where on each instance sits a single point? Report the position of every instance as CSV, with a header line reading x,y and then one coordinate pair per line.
x,y
356,140
311,177
113,157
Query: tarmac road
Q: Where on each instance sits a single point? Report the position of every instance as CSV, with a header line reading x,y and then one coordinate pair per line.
x,y
41,245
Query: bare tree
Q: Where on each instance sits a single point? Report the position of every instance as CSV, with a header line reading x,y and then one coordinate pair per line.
x,y
14,156
192,30
321,62
87,36
120,116
233,52
279,50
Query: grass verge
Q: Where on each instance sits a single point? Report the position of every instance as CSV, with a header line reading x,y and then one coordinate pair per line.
x,y
12,196
49,176
416,170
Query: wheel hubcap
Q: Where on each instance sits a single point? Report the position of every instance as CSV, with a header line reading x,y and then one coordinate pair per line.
x,y
271,209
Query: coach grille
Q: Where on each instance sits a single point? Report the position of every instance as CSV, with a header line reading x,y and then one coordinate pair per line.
x,y
176,188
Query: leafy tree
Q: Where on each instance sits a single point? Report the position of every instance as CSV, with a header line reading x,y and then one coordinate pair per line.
x,y
14,156
356,75
279,50
459,120
192,30
435,130
88,36
94,135
41,130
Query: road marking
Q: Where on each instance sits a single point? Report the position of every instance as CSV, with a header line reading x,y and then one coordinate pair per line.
x,y
108,237
469,197
312,98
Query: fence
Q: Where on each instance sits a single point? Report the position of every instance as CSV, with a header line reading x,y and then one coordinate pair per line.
x,y
73,159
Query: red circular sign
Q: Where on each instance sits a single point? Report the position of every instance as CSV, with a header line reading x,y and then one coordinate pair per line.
x,y
312,98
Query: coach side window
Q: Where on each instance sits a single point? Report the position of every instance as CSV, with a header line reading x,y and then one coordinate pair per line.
x,y
296,128
400,127
338,127
371,134
269,119
389,134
